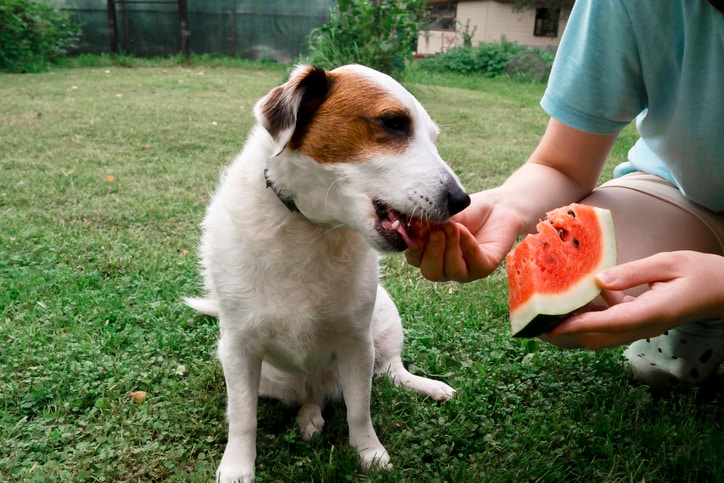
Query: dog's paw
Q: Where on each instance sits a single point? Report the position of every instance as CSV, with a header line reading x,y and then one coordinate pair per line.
x,y
237,465
440,391
374,459
437,390
310,421
231,474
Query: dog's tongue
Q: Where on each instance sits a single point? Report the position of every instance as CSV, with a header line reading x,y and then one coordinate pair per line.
x,y
402,229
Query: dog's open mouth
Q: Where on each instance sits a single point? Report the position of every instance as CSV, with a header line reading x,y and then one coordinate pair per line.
x,y
399,230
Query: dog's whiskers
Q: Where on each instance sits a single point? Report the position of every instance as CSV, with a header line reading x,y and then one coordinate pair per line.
x,y
412,215
331,229
326,196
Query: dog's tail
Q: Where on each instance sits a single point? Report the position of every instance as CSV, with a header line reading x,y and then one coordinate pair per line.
x,y
206,306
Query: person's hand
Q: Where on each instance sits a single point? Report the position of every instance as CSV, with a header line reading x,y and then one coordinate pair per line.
x,y
683,287
470,246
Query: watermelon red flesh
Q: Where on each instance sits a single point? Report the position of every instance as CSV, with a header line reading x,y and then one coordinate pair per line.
x,y
552,273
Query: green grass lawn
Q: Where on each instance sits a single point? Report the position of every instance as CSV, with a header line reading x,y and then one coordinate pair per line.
x,y
104,175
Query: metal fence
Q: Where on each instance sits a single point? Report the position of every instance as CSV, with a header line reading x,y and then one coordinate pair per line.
x,y
253,29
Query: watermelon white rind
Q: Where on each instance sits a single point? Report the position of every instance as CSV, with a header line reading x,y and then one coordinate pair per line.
x,y
555,269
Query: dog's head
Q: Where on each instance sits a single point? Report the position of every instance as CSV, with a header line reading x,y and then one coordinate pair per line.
x,y
352,147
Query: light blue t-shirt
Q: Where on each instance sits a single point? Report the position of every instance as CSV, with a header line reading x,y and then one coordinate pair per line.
x,y
660,62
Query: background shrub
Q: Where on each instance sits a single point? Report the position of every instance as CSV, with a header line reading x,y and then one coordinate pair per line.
x,y
528,66
381,34
34,34
492,60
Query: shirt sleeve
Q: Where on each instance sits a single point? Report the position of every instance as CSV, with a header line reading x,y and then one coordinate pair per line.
x,y
596,83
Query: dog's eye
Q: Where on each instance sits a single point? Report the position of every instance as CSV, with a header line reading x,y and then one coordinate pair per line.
x,y
398,125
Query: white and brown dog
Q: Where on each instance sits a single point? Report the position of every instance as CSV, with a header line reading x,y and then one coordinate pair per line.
x,y
338,166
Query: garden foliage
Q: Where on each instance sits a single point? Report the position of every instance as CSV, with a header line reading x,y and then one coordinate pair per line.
x,y
33,34
381,34
492,60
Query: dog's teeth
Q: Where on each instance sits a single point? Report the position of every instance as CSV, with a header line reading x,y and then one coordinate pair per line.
x,y
395,224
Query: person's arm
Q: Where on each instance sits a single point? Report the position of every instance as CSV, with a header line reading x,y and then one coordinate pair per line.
x,y
564,168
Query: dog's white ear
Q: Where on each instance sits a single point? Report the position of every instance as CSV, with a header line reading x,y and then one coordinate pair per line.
x,y
288,107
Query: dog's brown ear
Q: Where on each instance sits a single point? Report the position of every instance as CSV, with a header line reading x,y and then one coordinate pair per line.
x,y
290,106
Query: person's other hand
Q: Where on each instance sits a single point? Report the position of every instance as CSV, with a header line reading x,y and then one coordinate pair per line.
x,y
683,287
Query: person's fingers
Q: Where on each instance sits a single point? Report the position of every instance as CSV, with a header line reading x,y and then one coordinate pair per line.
x,y
451,252
599,340
561,340
414,257
639,318
455,267
638,272
432,261
614,297
593,340
477,263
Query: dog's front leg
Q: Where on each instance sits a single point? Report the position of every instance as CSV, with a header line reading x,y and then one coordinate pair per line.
x,y
355,372
242,371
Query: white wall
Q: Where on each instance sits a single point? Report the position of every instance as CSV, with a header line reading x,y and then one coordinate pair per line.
x,y
493,20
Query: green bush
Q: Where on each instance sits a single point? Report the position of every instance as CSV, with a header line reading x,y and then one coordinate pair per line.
x,y
34,34
492,60
381,34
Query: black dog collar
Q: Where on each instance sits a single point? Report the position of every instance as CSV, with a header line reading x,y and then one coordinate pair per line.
x,y
288,201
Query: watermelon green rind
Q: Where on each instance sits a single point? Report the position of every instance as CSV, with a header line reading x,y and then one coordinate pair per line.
x,y
540,324
542,312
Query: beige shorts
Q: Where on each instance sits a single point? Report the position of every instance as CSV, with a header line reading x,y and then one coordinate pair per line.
x,y
663,190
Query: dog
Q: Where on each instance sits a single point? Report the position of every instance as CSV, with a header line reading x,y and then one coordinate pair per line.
x,y
341,166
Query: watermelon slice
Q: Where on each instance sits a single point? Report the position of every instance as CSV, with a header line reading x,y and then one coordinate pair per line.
x,y
552,273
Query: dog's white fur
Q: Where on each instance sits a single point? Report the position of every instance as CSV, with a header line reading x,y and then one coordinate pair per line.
x,y
301,314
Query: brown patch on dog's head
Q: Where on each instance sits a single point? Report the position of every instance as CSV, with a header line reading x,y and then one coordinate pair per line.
x,y
335,116
358,120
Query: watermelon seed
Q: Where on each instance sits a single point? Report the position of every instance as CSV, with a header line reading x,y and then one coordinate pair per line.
x,y
706,356
572,213
576,243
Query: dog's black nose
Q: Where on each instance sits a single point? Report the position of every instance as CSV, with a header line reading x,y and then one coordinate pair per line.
x,y
457,200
